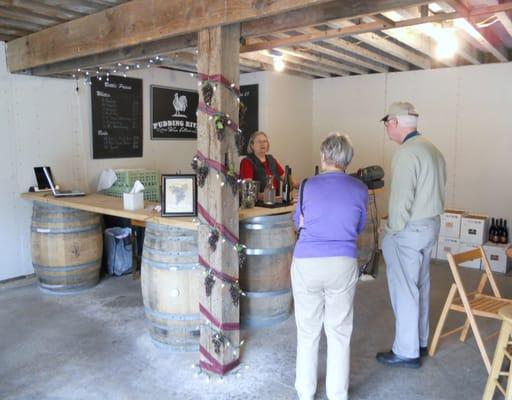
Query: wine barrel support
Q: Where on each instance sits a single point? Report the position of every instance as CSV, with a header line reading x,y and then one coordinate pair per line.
x,y
171,284
67,246
265,279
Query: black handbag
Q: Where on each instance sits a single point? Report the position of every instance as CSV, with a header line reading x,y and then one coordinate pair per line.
x,y
301,196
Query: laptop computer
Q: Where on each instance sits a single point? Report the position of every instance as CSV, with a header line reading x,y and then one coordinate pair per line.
x,y
59,193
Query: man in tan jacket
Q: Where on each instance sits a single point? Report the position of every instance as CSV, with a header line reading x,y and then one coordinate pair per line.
x,y
418,180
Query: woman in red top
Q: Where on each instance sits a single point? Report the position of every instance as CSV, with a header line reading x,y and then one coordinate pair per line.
x,y
258,164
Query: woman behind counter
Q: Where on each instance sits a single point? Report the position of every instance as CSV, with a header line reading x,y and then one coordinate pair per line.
x,y
324,268
258,164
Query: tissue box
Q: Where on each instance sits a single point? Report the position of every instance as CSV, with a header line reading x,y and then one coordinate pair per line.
x,y
133,201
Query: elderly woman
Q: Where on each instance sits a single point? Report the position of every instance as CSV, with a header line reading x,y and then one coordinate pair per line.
x,y
258,164
331,214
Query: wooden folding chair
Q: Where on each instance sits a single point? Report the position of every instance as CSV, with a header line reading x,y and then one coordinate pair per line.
x,y
474,304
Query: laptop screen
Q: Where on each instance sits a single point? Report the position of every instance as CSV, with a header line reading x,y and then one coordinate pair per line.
x,y
49,178
42,182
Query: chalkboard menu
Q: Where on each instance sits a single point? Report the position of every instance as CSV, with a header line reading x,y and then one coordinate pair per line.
x,y
116,117
248,114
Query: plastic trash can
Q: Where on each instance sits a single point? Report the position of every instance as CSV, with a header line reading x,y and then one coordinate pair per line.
x,y
118,245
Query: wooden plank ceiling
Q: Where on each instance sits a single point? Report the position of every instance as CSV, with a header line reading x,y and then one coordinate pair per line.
x,y
317,39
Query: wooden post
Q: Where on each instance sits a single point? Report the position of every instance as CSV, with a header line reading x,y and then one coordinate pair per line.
x,y
219,50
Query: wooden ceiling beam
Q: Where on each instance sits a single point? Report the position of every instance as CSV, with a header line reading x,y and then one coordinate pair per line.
x,y
42,9
138,51
27,26
6,38
322,13
314,62
374,26
345,57
82,6
469,25
387,46
134,22
336,67
362,52
289,65
502,17
313,36
13,32
19,14
320,58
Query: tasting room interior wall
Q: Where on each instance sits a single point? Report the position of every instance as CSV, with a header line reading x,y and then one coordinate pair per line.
x,y
465,111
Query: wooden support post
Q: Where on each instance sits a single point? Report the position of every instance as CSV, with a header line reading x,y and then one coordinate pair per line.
x,y
219,50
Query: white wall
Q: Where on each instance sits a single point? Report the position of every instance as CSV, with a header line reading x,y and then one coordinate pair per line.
x,y
465,111
38,125
45,121
285,115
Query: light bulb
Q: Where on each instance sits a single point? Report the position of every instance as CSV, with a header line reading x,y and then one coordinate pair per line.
x,y
447,43
279,64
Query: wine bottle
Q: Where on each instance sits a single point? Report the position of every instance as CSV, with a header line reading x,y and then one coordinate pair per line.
x,y
287,187
491,231
504,233
494,237
499,231
316,170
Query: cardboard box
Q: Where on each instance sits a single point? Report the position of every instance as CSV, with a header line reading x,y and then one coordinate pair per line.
x,y
450,223
382,230
133,201
475,264
445,245
474,229
497,256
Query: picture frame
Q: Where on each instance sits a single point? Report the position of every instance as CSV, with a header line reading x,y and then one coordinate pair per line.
x,y
179,195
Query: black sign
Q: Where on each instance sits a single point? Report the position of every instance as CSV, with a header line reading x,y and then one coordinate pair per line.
x,y
116,117
248,115
173,113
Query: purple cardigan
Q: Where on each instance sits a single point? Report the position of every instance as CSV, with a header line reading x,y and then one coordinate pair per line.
x,y
334,208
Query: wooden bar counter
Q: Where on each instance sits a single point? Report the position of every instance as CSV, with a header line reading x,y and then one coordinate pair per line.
x,y
108,205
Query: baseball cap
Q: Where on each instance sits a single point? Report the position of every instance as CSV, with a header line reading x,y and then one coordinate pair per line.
x,y
400,108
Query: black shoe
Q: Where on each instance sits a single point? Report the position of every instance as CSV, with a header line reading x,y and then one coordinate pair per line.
x,y
423,352
392,360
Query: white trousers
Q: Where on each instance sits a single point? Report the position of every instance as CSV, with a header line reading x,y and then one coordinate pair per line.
x,y
323,293
407,254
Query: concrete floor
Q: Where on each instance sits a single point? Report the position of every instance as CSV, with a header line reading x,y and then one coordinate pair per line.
x,y
95,345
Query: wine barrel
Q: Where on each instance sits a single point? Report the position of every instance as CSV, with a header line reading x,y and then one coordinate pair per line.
x,y
171,285
265,279
67,245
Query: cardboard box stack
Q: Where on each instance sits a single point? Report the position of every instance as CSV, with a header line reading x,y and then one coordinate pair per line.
x,y
497,255
449,233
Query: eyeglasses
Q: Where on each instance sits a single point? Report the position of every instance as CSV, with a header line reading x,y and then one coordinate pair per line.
x,y
386,123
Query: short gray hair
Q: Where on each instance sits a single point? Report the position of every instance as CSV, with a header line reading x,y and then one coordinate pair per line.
x,y
337,149
410,121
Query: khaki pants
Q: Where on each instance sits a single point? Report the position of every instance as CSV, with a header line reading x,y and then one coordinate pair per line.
x,y
323,292
407,254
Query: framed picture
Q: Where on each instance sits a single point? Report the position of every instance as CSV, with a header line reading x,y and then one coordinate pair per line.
x,y
179,196
173,113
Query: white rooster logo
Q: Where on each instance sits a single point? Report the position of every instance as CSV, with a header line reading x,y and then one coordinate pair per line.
x,y
180,105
